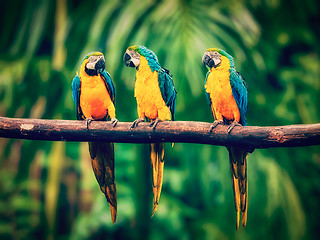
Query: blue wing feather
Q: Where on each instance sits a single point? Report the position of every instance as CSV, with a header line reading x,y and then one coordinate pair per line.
x,y
109,85
240,94
76,89
207,94
167,89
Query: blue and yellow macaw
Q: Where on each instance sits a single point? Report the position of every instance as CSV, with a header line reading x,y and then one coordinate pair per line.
x,y
156,99
93,93
228,98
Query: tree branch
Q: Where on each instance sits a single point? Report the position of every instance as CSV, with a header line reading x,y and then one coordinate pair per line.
x,y
250,137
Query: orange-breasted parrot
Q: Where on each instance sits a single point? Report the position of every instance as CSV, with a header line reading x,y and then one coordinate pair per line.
x,y
228,99
156,99
93,93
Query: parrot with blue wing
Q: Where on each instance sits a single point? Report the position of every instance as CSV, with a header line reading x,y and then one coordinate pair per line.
x,y
93,93
156,100
227,97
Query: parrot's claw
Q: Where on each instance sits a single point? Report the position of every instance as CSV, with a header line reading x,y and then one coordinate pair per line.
x,y
232,125
88,121
114,121
136,123
155,123
214,124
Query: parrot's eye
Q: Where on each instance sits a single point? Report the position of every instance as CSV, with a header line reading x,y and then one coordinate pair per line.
x,y
215,55
211,59
93,58
95,64
135,55
131,58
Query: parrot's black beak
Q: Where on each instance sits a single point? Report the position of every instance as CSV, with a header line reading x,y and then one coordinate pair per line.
x,y
100,65
127,60
207,61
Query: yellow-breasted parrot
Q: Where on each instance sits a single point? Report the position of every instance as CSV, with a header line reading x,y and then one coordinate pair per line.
x,y
93,93
156,99
228,98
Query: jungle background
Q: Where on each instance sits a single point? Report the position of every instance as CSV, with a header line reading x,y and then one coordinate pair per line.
x,y
48,189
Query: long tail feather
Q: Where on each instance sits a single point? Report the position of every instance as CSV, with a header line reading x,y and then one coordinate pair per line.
x,y
244,212
157,164
236,192
243,187
102,155
238,168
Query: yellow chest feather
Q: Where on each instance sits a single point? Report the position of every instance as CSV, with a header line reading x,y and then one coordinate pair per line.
x,y
147,92
94,97
219,88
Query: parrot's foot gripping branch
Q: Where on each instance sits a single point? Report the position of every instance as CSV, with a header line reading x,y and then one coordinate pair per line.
x,y
214,124
114,122
88,121
136,123
232,125
155,123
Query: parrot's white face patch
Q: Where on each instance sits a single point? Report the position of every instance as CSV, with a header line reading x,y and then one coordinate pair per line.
x,y
135,57
92,60
215,56
136,62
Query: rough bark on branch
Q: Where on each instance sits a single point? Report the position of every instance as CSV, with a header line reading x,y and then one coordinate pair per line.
x,y
250,137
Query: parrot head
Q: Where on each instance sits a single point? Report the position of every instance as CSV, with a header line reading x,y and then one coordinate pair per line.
x,y
214,56
132,56
93,63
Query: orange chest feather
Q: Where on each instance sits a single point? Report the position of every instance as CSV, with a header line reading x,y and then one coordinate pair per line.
x,y
94,97
219,88
147,91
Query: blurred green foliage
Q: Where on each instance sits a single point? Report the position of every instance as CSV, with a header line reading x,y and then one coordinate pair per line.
x,y
48,190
